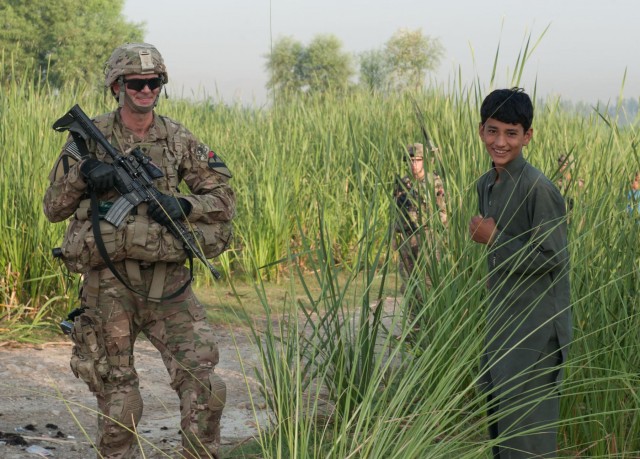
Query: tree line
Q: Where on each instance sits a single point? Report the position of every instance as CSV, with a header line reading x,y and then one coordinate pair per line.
x,y
57,42
402,63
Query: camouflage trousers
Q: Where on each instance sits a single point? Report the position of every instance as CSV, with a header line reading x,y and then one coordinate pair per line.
x,y
416,281
178,329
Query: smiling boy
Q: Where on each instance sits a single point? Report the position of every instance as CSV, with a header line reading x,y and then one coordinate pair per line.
x,y
522,222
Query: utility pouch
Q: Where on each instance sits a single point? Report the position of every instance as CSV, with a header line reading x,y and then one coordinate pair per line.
x,y
217,237
89,359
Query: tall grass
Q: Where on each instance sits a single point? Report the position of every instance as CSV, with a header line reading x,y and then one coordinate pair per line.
x,y
336,394
314,180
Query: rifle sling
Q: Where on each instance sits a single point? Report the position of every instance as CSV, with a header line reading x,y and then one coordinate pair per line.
x,y
95,222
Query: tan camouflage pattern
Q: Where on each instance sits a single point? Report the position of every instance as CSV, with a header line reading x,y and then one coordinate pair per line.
x,y
177,327
134,58
417,234
179,155
415,150
187,344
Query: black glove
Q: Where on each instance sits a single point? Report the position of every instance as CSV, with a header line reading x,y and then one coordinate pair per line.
x,y
100,176
165,209
403,201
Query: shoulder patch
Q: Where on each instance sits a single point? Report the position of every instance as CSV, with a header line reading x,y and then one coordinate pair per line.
x,y
215,163
202,152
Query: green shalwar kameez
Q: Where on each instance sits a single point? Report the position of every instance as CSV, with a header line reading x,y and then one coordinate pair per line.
x,y
529,317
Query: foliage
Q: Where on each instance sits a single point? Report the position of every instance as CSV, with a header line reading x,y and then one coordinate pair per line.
x,y
324,66
314,179
283,66
319,67
63,40
411,55
374,70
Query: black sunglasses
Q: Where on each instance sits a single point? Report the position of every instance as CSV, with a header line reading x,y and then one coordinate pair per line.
x,y
138,85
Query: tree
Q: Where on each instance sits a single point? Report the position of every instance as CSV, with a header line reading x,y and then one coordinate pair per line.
x,y
324,66
410,55
374,70
283,66
319,67
62,41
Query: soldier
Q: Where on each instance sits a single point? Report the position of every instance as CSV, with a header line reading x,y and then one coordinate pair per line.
x,y
418,199
565,180
149,290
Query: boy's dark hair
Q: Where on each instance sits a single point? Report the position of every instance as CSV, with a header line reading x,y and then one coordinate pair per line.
x,y
511,106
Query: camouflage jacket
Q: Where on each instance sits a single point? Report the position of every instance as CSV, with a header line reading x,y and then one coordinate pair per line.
x,y
181,157
418,202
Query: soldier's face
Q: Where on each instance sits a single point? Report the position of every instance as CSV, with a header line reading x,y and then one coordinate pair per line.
x,y
417,168
140,96
504,141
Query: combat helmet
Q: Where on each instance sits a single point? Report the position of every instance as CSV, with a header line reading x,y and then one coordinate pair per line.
x,y
415,150
130,58
133,58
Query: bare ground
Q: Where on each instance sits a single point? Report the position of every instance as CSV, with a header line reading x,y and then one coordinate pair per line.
x,y
45,406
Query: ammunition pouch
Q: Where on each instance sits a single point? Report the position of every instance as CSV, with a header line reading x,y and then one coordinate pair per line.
x,y
138,238
89,358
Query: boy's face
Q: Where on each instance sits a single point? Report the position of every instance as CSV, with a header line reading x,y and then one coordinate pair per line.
x,y
503,141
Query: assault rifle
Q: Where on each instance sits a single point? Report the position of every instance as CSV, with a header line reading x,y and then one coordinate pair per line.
x,y
135,174
428,143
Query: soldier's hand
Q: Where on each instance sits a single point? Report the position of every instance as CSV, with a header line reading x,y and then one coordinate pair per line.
x,y
403,201
99,176
166,209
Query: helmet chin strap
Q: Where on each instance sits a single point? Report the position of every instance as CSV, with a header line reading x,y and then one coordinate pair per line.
x,y
121,94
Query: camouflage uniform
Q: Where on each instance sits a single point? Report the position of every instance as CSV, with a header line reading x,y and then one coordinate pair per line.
x,y
417,203
152,261
565,182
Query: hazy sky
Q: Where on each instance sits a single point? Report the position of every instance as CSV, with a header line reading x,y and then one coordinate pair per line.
x,y
218,46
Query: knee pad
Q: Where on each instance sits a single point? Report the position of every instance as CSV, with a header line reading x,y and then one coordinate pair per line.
x,y
121,412
131,409
218,397
122,409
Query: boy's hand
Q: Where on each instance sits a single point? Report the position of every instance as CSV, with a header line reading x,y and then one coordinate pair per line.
x,y
482,230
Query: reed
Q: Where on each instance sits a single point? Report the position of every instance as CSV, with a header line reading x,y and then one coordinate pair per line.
x,y
314,180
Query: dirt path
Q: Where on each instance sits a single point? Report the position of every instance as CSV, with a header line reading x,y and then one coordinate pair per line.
x,y
42,403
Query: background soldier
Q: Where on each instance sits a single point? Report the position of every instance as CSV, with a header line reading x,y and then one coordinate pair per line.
x,y
156,298
565,181
418,198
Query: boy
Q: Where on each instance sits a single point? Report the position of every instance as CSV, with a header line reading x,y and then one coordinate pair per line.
x,y
522,222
